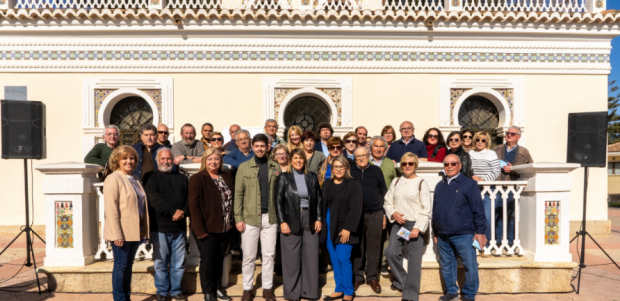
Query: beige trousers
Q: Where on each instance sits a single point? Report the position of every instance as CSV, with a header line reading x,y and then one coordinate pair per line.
x,y
268,234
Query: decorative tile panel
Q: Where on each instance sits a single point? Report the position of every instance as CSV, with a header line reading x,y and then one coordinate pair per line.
x,y
155,95
100,96
292,56
64,224
455,94
552,222
599,3
508,95
334,94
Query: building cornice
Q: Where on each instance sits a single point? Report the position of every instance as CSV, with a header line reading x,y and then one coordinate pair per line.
x,y
384,16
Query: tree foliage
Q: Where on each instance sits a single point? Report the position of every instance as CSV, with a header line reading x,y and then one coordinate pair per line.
x,y
613,102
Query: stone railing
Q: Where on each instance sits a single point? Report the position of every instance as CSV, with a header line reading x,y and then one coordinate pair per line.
x,y
562,6
542,209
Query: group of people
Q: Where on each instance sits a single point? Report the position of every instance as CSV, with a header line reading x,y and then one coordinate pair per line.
x,y
309,193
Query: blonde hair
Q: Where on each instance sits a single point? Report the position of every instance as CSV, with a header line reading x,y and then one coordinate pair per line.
x,y
482,135
217,134
119,153
289,142
206,154
410,155
343,160
276,148
300,152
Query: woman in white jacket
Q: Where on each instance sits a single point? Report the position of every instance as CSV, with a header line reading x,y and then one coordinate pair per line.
x,y
408,204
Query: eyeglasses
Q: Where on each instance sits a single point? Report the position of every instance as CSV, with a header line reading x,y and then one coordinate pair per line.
x,y
410,164
467,136
351,141
508,134
361,156
339,167
112,134
217,139
335,147
162,133
481,140
455,140
280,155
453,164
406,129
244,139
433,136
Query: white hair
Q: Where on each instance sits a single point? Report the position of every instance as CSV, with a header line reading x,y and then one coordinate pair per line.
x,y
243,131
159,166
270,120
372,142
360,148
516,128
162,149
112,126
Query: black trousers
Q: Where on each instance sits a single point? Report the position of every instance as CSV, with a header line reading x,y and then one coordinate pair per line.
x,y
212,250
369,247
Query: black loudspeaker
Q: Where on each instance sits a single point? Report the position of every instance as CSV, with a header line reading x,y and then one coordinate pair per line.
x,y
587,139
23,129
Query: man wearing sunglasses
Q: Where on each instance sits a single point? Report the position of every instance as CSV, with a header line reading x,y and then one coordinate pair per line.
x,y
162,135
407,144
458,219
512,154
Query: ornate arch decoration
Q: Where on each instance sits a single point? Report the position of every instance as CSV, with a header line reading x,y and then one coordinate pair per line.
x,y
337,93
506,93
101,94
307,92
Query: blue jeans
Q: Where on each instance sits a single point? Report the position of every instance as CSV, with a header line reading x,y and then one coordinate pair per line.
x,y
499,218
486,203
121,272
449,247
168,248
340,256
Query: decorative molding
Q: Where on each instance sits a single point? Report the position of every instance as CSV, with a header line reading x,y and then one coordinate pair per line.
x,y
506,93
300,56
101,94
337,93
305,45
385,16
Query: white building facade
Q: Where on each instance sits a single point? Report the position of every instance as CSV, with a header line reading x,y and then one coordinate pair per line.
x,y
349,63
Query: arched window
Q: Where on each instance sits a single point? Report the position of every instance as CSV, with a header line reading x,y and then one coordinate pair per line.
x,y
130,114
307,112
477,113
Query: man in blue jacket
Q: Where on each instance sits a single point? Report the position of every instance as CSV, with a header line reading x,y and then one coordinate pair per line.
x,y
458,220
407,144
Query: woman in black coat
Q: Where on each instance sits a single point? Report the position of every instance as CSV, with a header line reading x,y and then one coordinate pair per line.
x,y
455,142
342,203
298,208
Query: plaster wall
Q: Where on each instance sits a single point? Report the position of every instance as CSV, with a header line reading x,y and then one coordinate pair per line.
x,y
378,99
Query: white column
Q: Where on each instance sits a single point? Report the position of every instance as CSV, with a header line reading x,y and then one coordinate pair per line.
x,y
595,6
544,211
70,213
453,5
430,172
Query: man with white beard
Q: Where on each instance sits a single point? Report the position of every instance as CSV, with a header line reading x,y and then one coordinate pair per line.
x,y
167,192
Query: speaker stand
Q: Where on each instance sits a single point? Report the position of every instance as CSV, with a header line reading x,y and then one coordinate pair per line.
x,y
583,233
28,230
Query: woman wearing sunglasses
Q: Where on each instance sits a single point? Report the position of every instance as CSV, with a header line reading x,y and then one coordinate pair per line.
x,y
350,144
217,140
467,137
486,168
455,143
335,147
435,145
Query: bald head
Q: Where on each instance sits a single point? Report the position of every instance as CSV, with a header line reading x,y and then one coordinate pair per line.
x,y
233,131
452,157
406,130
452,165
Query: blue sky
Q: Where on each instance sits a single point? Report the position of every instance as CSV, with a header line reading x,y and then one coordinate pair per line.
x,y
615,49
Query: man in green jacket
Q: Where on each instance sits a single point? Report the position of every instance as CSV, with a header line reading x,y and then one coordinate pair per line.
x,y
377,151
255,215
101,152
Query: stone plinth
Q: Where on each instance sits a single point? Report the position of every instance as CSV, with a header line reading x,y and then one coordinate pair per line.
x,y
71,213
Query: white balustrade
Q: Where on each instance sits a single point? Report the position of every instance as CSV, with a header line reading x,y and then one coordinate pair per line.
x,y
501,191
568,6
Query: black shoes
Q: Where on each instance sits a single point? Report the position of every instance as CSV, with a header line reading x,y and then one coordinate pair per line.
x,y
210,297
384,271
330,298
160,297
178,297
221,295
394,288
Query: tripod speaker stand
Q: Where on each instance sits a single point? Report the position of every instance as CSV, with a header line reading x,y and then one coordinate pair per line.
x,y
30,260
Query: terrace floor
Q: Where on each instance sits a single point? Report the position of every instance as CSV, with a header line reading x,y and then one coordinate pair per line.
x,y
600,280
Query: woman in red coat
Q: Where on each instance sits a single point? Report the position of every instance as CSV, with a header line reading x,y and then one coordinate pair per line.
x,y
435,145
